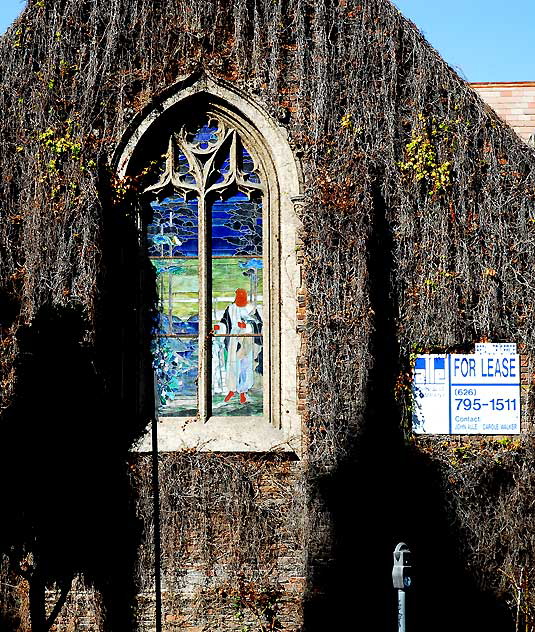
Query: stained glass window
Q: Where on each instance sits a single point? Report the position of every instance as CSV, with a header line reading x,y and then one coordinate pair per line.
x,y
205,240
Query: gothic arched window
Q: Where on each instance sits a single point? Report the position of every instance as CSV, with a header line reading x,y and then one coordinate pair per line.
x,y
205,240
219,225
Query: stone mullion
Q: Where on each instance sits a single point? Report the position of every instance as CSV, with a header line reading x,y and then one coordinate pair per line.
x,y
205,283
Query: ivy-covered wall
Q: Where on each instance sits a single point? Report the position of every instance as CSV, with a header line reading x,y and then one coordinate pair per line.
x,y
418,234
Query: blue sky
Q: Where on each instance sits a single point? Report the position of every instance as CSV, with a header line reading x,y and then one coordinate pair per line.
x,y
9,9
484,40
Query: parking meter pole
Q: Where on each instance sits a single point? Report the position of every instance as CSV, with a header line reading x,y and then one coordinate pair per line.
x,y
401,579
401,611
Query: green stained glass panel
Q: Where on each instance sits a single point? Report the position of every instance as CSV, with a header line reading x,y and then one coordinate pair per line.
x,y
177,282
229,274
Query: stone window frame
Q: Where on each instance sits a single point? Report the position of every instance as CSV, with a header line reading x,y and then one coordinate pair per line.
x,y
268,141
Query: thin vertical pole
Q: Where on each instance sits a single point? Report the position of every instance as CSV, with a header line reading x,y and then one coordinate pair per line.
x,y
401,611
157,537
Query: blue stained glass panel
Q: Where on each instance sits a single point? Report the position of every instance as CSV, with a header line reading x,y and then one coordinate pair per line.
x,y
184,169
183,164
222,171
174,228
205,136
237,226
247,161
176,363
247,167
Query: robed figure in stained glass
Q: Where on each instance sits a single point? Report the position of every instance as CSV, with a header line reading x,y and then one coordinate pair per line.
x,y
242,356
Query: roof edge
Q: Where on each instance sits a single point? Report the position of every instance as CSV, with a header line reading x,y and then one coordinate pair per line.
x,y
512,84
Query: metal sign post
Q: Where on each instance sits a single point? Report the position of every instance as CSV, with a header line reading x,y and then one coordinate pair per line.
x,y
401,579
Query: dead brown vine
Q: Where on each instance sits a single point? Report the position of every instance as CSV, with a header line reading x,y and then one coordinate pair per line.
x,y
355,79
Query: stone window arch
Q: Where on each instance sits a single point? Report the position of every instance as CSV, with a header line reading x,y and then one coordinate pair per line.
x,y
218,220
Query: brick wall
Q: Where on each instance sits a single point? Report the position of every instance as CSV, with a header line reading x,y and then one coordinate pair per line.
x,y
513,102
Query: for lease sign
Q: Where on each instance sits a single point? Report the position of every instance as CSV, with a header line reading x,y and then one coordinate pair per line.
x,y
466,394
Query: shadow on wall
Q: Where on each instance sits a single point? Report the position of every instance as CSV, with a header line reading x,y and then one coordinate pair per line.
x,y
384,493
67,502
399,501
63,478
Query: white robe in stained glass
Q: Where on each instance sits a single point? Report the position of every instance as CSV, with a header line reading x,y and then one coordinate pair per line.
x,y
243,351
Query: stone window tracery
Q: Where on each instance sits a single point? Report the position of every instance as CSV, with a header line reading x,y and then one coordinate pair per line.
x,y
217,217
205,241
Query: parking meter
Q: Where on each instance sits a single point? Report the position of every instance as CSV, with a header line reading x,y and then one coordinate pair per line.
x,y
401,573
